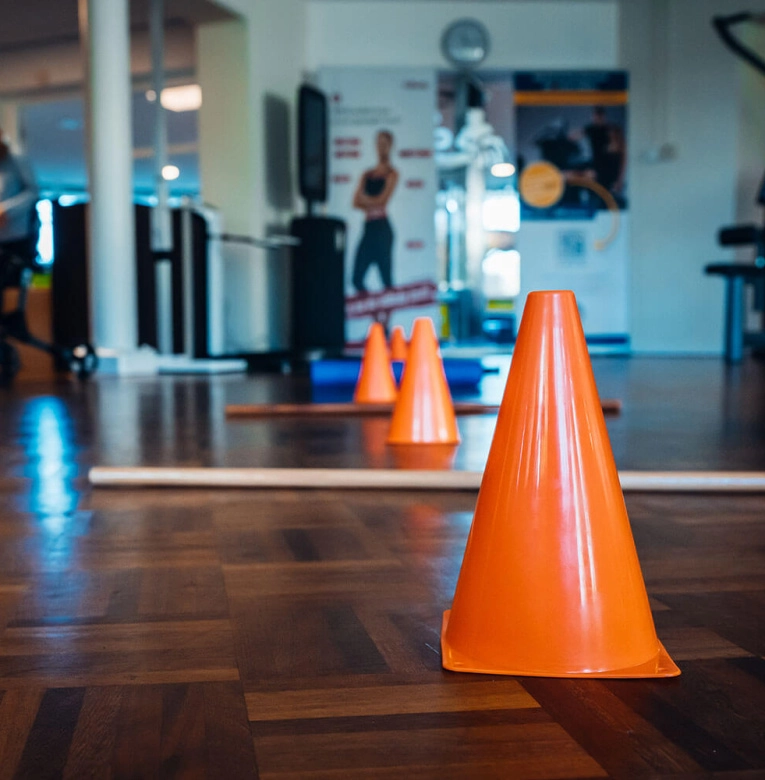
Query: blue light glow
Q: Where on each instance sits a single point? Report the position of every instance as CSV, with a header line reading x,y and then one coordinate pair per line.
x,y
45,237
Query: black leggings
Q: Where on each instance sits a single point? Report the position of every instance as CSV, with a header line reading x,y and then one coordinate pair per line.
x,y
374,248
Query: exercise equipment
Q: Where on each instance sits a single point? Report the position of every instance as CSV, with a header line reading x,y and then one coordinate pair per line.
x,y
397,479
610,406
550,584
461,373
376,384
398,345
18,262
424,411
739,275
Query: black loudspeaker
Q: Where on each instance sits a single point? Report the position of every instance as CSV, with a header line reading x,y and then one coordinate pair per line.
x,y
69,280
318,288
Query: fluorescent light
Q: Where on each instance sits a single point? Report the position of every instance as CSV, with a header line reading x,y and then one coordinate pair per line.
x,y
500,170
184,98
170,172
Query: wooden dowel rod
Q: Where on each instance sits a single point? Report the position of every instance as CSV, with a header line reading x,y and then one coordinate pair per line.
x,y
307,410
393,479
390,479
609,405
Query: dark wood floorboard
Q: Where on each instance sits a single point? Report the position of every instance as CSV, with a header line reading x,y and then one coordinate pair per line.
x,y
283,634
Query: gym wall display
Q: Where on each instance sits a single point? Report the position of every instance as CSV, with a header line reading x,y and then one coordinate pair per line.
x,y
382,183
571,145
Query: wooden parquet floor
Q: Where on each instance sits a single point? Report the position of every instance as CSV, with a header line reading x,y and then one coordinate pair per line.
x,y
279,634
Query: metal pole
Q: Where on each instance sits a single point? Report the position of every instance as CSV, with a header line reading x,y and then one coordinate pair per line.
x,y
161,229
187,272
161,226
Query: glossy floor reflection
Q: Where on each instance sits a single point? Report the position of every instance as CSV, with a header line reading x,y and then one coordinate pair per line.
x,y
677,414
151,633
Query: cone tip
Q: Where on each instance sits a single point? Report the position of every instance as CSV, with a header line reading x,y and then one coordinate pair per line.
x,y
422,322
551,294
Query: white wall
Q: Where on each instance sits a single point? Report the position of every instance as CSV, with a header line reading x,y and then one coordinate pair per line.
x,y
686,92
246,68
226,146
525,33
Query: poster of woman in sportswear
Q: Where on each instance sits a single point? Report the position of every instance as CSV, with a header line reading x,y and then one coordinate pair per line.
x,y
375,189
382,183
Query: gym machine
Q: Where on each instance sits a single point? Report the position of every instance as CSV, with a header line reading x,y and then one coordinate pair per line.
x,y
740,275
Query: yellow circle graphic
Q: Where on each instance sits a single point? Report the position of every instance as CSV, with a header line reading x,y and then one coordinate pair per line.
x,y
541,184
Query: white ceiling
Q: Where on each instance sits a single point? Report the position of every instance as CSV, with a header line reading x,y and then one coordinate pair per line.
x,y
31,23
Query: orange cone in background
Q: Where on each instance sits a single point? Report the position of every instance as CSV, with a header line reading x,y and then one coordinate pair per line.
x,y
398,345
424,412
550,584
376,383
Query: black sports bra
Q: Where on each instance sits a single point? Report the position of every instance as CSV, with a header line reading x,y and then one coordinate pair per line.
x,y
374,185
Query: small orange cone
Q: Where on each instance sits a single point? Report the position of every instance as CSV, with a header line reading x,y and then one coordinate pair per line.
x,y
398,345
550,584
424,412
376,383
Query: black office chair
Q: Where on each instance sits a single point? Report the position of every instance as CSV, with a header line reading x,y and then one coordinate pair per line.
x,y
18,262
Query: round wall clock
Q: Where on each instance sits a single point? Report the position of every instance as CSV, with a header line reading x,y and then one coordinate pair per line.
x,y
465,43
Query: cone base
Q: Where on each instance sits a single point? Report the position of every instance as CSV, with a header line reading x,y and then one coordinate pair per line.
x,y
375,400
659,666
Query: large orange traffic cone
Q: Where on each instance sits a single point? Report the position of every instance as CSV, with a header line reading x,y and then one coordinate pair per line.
x,y
424,412
398,345
550,584
376,383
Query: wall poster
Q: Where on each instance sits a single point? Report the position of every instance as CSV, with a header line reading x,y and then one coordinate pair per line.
x,y
571,146
382,182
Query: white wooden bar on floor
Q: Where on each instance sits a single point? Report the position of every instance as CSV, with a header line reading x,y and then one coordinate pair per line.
x,y
396,479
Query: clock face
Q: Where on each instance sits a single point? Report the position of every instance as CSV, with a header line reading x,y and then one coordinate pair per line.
x,y
465,43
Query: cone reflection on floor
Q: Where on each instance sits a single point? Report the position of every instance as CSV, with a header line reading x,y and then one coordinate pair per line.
x,y
398,345
374,434
376,384
424,412
423,457
550,583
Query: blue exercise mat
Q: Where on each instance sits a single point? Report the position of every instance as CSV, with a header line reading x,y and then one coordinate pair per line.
x,y
461,373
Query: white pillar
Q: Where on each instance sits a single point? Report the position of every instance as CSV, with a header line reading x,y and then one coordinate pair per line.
x,y
105,34
9,122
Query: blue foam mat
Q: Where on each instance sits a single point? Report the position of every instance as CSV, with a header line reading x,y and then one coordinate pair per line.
x,y
460,372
